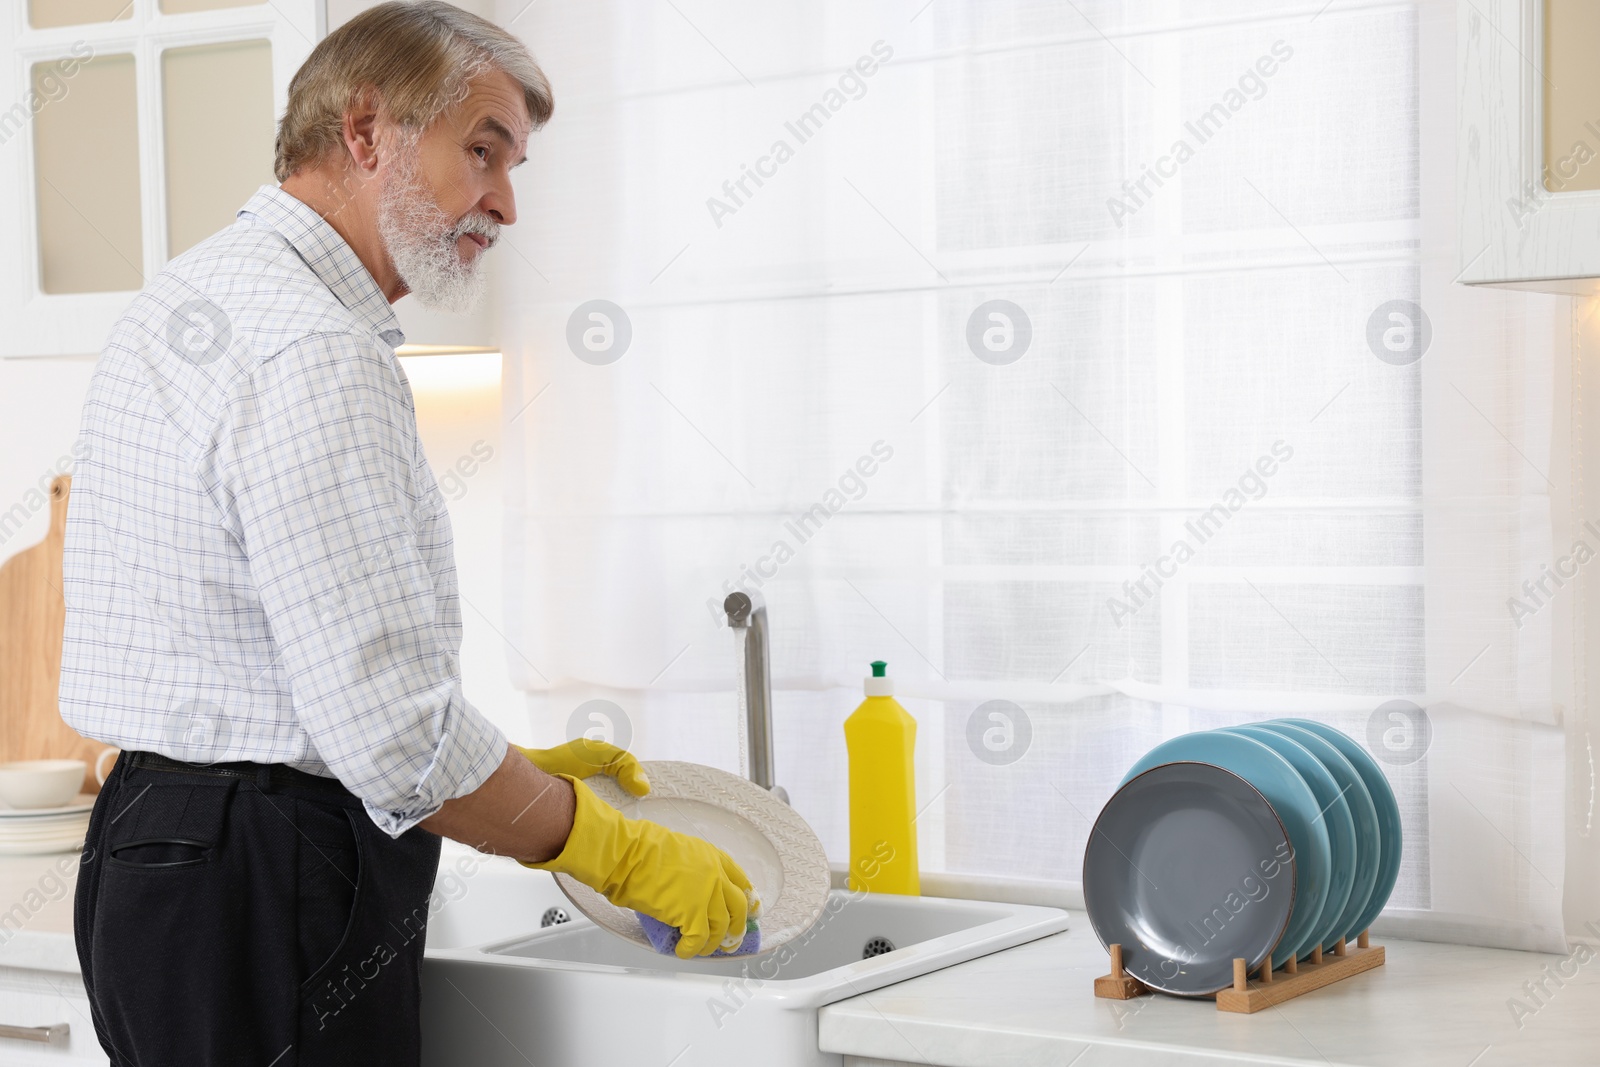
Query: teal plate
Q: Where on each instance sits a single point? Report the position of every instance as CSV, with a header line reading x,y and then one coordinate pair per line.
x,y
1292,800
1383,801
1334,811
1369,839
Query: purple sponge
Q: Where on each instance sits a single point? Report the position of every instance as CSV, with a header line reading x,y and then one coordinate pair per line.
x,y
664,938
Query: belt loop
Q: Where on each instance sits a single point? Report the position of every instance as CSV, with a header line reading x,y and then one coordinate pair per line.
x,y
264,778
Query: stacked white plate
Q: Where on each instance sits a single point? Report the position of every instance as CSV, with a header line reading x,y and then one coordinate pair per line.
x,y
33,831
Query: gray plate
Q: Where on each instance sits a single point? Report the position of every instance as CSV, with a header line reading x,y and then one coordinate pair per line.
x,y
1188,867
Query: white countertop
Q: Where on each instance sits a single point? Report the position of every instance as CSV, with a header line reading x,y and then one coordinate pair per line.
x,y
1445,1005
36,912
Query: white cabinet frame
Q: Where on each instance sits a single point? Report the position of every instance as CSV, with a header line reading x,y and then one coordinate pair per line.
x,y
35,323
1512,230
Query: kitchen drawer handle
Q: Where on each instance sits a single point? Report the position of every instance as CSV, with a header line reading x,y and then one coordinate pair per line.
x,y
55,1034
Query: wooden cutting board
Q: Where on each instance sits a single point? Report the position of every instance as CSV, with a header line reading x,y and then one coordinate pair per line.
x,y
32,620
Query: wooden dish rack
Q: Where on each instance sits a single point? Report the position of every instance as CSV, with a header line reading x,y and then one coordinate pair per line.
x,y
1294,979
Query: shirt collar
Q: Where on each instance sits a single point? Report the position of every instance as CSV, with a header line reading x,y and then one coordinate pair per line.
x,y
333,261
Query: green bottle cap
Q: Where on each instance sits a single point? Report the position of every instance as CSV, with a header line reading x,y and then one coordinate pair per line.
x,y
878,667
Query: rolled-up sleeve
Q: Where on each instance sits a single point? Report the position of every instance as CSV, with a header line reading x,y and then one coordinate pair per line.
x,y
314,470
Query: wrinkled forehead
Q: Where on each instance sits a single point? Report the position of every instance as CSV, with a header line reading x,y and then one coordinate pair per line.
x,y
493,106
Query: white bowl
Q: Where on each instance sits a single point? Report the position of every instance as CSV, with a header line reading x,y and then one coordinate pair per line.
x,y
41,783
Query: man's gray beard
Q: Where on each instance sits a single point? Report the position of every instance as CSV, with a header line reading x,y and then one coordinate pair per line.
x,y
421,240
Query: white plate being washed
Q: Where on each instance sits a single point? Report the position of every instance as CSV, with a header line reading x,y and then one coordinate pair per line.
x,y
766,837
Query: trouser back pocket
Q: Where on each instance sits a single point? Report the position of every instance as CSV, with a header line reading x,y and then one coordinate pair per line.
x,y
167,826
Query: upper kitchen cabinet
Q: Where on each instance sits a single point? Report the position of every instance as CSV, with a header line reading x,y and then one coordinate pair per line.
x,y
1528,156
129,130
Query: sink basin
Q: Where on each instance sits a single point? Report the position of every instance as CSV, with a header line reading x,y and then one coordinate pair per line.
x,y
499,989
478,898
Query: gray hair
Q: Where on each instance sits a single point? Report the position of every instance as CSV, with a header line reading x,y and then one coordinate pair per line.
x,y
418,59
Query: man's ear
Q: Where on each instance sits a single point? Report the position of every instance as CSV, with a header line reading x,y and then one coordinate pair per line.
x,y
360,131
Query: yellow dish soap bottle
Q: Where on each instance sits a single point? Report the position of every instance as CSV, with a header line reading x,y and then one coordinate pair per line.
x,y
881,738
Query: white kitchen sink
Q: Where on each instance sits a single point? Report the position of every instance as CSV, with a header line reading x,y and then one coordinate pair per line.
x,y
499,989
478,898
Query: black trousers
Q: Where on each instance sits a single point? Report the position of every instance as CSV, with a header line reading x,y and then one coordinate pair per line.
x,y
251,916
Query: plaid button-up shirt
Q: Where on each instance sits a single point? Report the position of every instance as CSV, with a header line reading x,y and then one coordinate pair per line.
x,y
258,560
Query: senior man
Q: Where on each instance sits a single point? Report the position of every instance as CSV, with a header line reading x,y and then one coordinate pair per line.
x,y
261,597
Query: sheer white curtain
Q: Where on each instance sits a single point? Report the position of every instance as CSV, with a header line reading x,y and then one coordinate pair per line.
x,y
1193,212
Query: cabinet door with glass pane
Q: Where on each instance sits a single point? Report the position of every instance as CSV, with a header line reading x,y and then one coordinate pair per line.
x,y
129,131
1528,146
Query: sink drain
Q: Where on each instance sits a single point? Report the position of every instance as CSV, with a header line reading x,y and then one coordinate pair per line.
x,y
552,916
876,946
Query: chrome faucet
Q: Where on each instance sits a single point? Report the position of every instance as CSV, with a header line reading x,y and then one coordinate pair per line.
x,y
747,611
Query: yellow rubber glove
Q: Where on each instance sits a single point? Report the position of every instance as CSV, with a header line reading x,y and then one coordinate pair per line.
x,y
634,863
584,757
